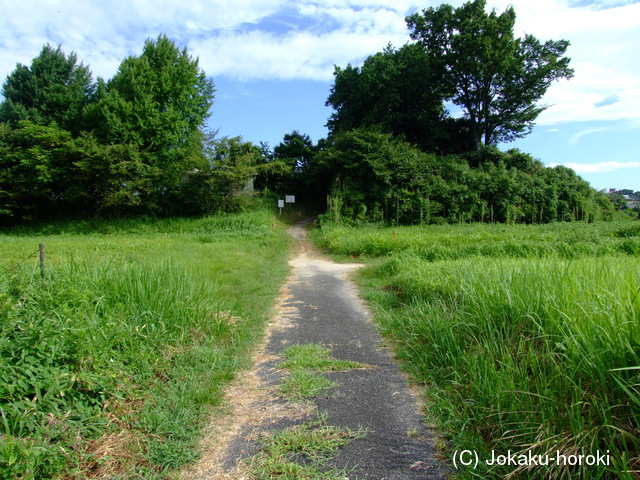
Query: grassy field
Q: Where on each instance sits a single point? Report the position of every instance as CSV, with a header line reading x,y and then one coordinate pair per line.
x,y
527,338
111,361
451,242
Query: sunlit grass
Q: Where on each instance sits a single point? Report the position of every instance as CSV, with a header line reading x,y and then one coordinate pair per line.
x,y
535,352
130,334
450,242
305,362
301,452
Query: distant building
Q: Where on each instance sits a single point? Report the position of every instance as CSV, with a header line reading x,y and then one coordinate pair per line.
x,y
625,198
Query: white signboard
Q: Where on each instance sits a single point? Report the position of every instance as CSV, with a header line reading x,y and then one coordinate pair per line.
x,y
290,198
280,203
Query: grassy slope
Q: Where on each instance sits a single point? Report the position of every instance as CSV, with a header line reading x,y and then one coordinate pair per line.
x,y
111,361
527,337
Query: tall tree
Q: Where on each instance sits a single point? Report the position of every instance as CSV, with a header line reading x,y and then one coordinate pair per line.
x,y
496,78
158,102
55,88
394,89
226,181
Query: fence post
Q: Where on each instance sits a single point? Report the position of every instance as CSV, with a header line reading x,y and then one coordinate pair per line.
x,y
42,259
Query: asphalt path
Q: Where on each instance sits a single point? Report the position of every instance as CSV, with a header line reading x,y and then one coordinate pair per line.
x,y
319,304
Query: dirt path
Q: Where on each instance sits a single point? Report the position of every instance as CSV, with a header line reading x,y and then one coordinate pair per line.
x,y
319,305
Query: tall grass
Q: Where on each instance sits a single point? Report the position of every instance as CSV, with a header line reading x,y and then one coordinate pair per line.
x,y
111,360
450,242
537,354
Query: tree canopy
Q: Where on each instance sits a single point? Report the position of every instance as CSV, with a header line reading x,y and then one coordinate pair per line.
x,y
138,143
124,146
156,100
394,89
378,177
496,78
55,88
395,154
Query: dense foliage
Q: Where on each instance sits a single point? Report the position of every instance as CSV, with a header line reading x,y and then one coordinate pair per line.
x,y
137,143
379,178
287,168
395,154
496,78
55,88
133,145
398,91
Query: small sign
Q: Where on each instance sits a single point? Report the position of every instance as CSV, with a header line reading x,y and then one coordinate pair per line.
x,y
280,203
290,198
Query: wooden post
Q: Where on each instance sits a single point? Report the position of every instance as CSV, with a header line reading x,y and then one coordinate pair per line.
x,y
42,259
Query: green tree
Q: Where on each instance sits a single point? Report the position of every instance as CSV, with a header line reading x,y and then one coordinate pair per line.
x,y
225,179
394,89
110,179
297,150
157,102
576,198
35,173
376,176
55,88
496,78
273,175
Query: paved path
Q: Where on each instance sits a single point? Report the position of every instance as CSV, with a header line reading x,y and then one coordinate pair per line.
x,y
320,305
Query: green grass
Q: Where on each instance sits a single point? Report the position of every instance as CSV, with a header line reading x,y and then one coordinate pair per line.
x,y
300,385
301,452
304,363
113,359
518,351
451,242
314,356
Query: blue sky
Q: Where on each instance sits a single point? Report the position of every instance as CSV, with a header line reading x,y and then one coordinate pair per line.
x,y
272,62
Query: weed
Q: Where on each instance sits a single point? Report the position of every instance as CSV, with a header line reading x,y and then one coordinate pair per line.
x,y
315,357
301,452
304,363
304,384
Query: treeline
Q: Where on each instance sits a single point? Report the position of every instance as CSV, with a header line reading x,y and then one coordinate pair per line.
x,y
138,143
395,154
373,176
385,179
135,144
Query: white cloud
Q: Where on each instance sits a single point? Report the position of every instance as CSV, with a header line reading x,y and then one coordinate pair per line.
x,y
605,39
231,38
589,131
598,167
225,35
104,33
301,53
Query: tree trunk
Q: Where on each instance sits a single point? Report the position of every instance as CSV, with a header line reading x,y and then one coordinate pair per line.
x,y
477,135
